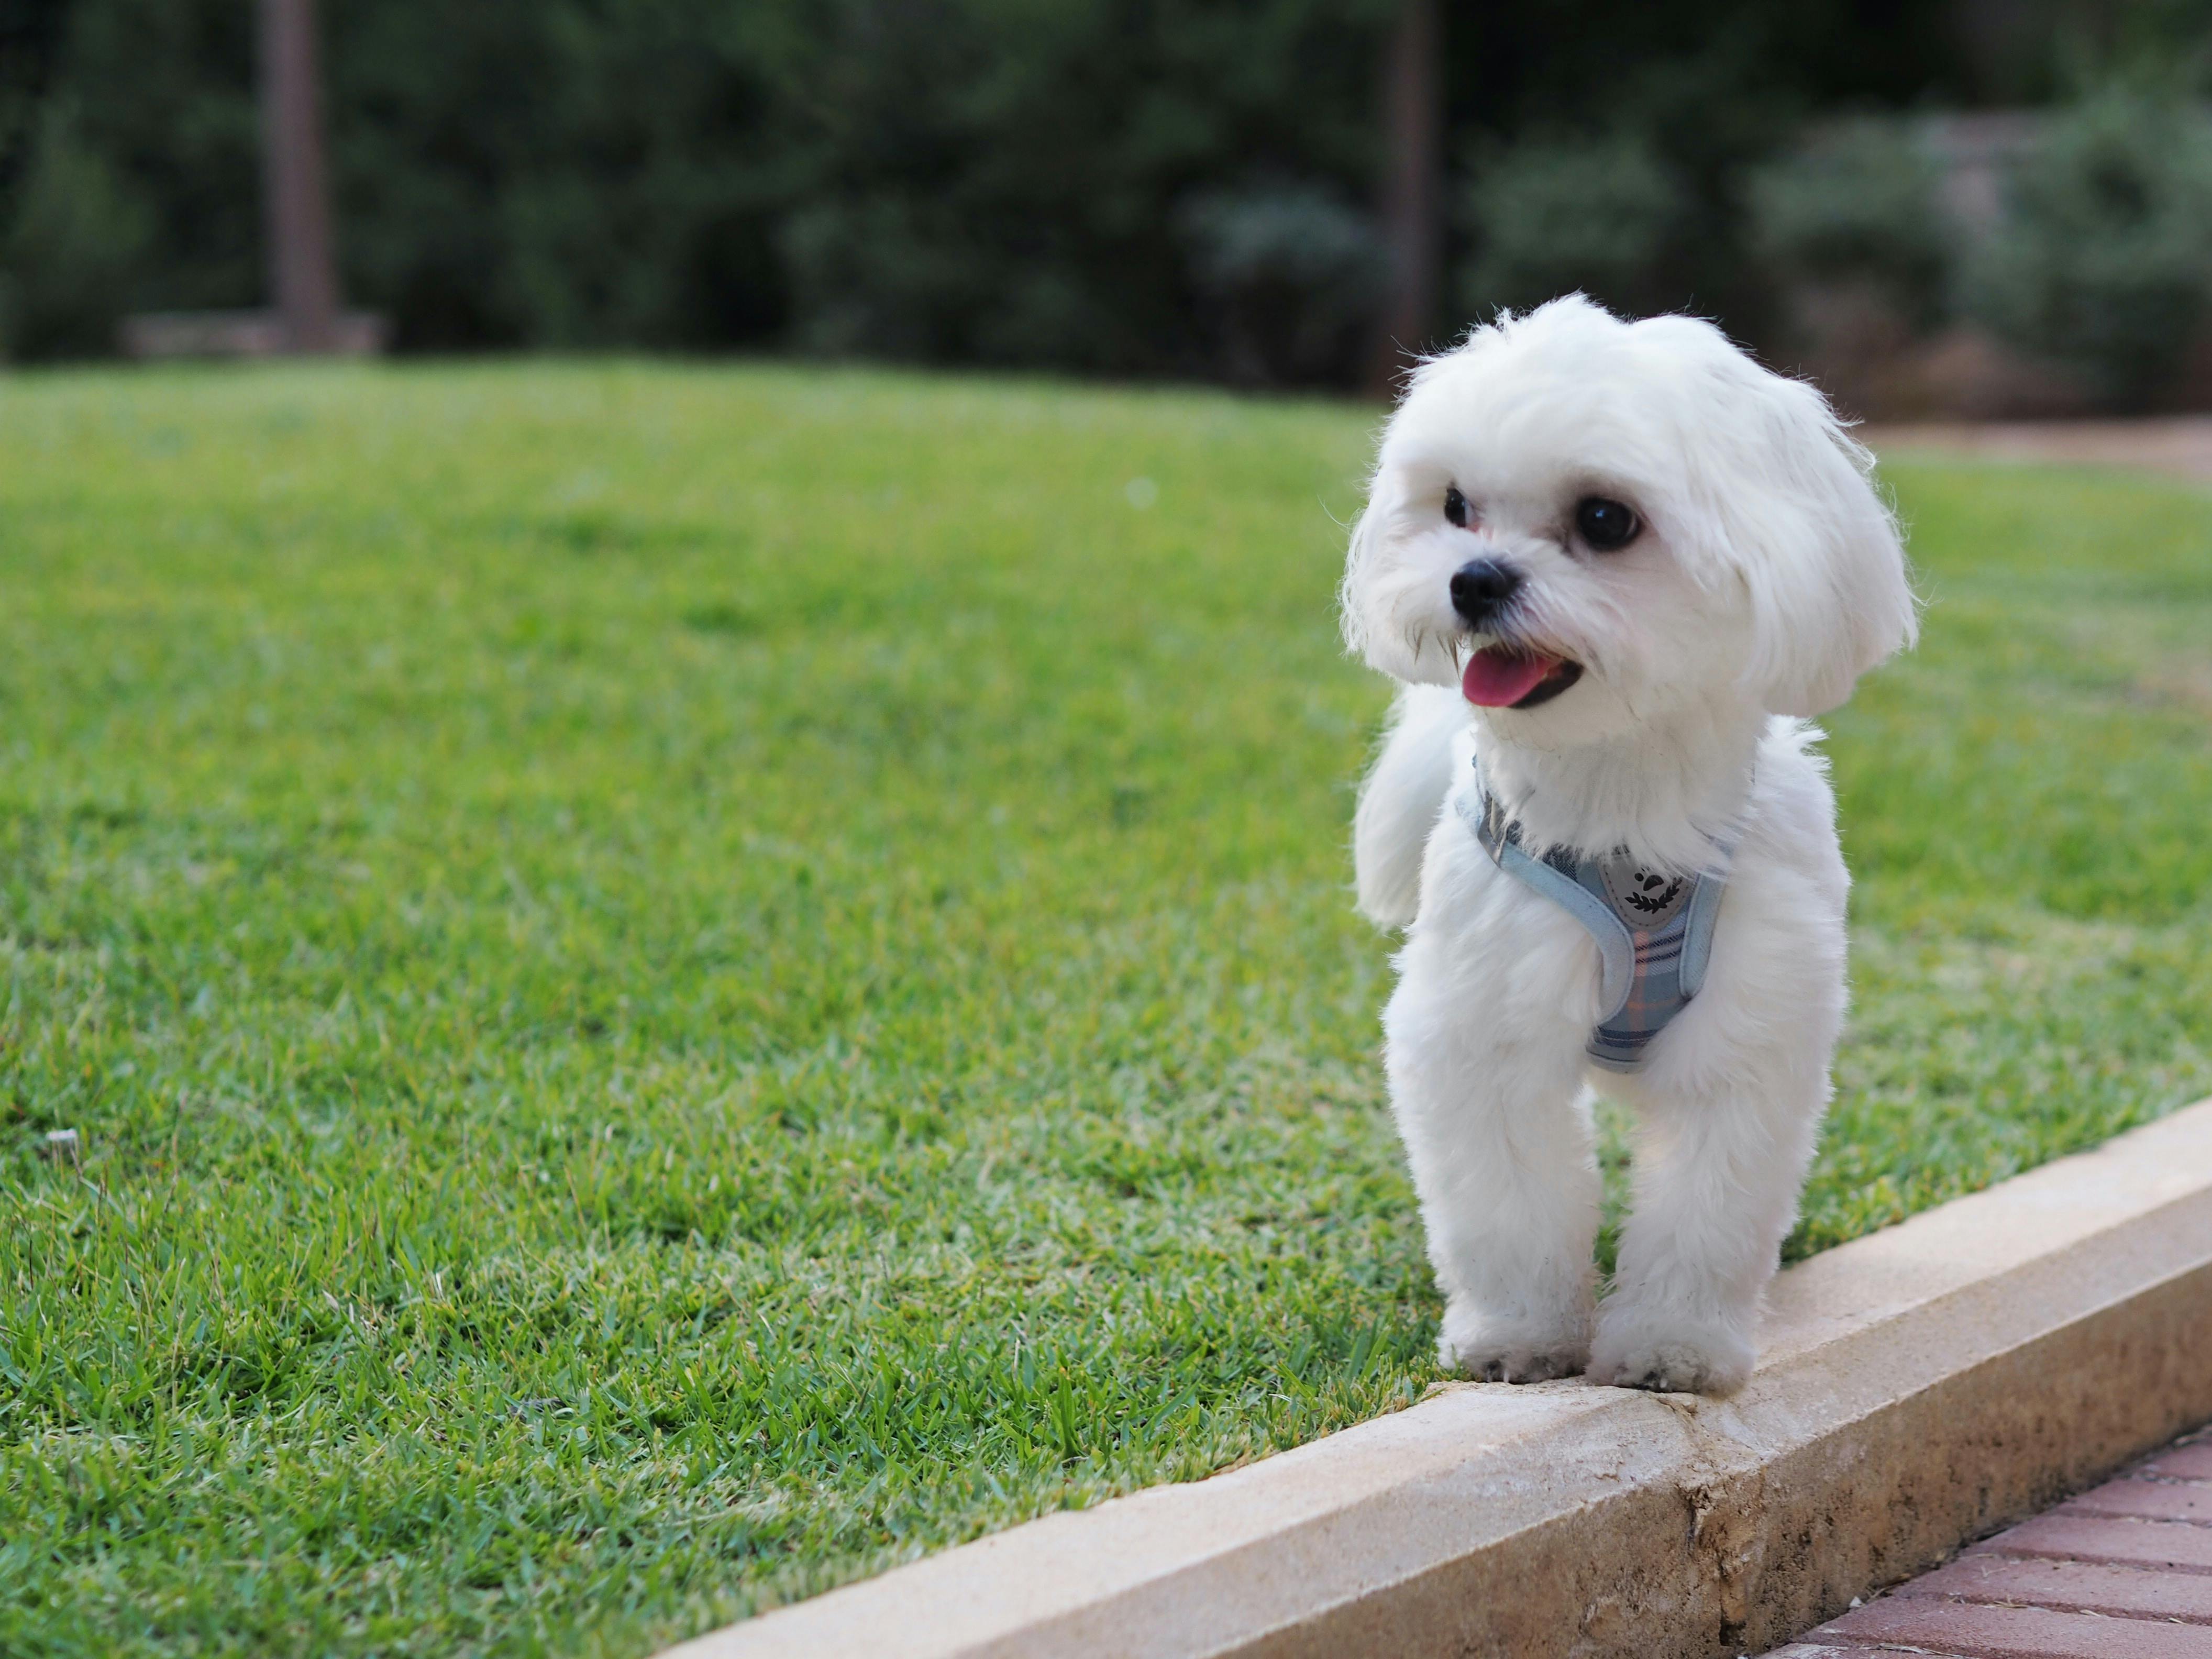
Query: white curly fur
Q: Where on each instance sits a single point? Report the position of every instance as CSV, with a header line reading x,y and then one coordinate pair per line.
x,y
1767,577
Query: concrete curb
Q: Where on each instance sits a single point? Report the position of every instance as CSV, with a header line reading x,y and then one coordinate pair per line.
x,y
1918,1388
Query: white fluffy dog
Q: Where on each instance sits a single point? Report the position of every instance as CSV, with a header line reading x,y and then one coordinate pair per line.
x,y
1613,564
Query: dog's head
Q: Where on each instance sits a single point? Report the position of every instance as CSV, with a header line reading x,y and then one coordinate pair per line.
x,y
1587,524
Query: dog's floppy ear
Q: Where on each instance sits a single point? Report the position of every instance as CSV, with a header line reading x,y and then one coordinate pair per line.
x,y
1816,544
1360,606
1358,563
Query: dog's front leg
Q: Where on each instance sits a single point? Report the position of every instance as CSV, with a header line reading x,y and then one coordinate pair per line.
x,y
1729,1106
1484,1047
1716,1182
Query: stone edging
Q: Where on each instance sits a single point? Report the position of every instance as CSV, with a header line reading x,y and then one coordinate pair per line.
x,y
1918,1387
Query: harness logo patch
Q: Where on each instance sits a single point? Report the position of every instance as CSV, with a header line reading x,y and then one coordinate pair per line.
x,y
1643,898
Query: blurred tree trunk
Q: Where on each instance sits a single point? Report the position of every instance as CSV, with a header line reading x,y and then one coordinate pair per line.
x,y
1413,190
295,185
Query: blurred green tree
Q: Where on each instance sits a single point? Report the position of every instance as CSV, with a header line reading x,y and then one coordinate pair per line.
x,y
30,32
1117,186
156,119
73,246
1603,215
1858,205
2103,263
1005,180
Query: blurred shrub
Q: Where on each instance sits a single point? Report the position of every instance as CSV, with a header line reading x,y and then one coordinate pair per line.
x,y
1858,206
948,179
570,175
2103,262
1062,182
998,180
73,250
30,31
139,182
1293,272
1547,217
160,92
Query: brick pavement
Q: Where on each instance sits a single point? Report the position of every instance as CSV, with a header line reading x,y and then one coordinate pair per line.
x,y
2124,1572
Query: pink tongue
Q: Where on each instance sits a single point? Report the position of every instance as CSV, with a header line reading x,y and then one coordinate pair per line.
x,y
1497,678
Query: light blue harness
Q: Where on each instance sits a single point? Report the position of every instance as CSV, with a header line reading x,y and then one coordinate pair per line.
x,y
1654,932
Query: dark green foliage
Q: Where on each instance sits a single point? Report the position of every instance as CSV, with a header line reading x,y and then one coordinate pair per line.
x,y
1123,187
135,186
566,174
1607,142
1292,273
159,93
999,182
992,180
30,31
1600,216
1858,205
2104,262
72,248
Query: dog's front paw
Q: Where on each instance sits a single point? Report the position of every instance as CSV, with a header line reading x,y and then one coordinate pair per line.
x,y
1669,1356
1492,1350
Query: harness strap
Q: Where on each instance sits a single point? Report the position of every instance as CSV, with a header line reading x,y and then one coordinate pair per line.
x,y
1648,975
1616,949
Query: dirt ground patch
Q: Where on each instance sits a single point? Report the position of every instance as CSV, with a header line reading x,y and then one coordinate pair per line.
x,y
2179,445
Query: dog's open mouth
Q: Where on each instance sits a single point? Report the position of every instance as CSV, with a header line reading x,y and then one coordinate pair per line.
x,y
1499,676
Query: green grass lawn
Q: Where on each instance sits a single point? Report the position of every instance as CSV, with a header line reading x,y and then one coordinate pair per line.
x,y
681,984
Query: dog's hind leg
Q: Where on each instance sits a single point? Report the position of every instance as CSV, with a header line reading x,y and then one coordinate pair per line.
x,y
1400,799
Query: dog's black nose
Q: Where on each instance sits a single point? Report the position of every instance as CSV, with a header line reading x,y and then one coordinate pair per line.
x,y
1481,587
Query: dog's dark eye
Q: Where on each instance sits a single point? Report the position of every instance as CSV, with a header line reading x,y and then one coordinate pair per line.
x,y
1455,507
1605,524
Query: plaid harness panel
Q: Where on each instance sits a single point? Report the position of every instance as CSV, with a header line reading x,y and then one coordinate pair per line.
x,y
1654,930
